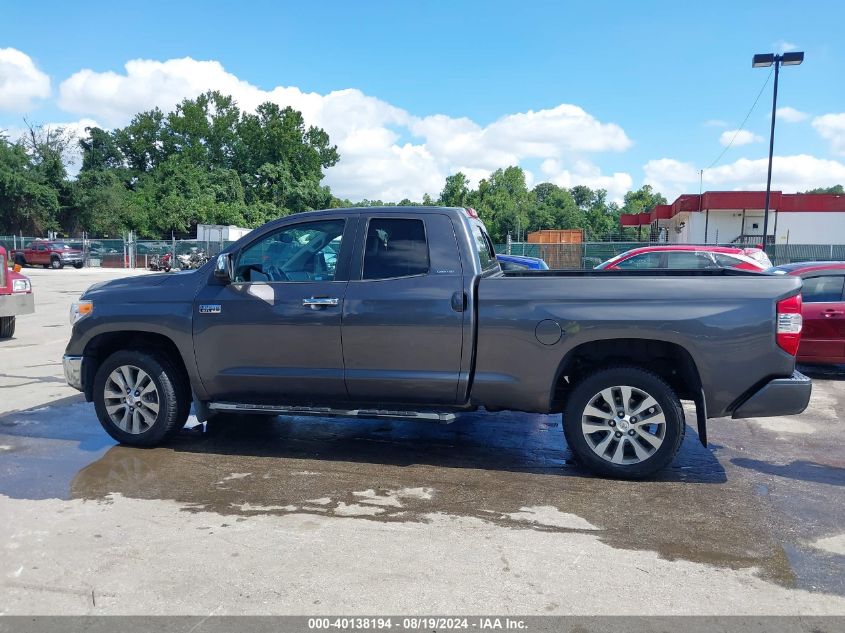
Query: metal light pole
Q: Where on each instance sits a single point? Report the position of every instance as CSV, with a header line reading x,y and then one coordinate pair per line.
x,y
765,60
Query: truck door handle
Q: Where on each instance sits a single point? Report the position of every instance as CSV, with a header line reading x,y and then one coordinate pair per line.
x,y
320,302
833,313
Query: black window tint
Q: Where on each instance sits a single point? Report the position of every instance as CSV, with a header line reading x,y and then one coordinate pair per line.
x,y
302,252
821,289
395,248
642,261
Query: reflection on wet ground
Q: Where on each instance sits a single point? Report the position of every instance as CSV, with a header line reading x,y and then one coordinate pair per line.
x,y
507,468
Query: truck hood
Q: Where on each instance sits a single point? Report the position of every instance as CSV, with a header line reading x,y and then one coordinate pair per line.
x,y
164,286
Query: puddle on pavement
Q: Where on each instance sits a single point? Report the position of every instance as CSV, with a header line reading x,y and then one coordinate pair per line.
x,y
510,469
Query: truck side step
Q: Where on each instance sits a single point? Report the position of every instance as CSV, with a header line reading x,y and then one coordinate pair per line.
x,y
421,416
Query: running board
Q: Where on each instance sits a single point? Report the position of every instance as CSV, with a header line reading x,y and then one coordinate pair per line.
x,y
421,416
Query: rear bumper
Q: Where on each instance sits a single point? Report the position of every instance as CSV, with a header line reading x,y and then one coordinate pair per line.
x,y
15,304
781,396
73,371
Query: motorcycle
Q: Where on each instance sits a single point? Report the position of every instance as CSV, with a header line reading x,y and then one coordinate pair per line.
x,y
161,262
192,260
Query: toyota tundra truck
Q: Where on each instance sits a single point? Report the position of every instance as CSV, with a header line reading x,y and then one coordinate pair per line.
x,y
404,313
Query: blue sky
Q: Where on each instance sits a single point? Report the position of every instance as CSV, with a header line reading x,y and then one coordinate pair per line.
x,y
621,93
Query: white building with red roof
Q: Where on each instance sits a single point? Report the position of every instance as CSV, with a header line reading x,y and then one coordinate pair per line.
x,y
727,217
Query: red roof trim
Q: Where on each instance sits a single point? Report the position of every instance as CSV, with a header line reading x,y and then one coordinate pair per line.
x,y
729,200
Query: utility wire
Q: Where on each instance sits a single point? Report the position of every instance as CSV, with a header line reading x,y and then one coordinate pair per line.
x,y
744,121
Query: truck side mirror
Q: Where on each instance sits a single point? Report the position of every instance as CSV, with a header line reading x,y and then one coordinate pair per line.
x,y
223,268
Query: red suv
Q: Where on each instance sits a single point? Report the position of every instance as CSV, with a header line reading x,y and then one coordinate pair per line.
x,y
823,336
689,256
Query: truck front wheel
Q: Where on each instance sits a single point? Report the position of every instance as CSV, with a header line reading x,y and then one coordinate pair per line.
x,y
56,263
140,399
7,327
624,422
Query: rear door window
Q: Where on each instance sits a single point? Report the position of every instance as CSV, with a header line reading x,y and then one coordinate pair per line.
x,y
726,261
688,260
643,261
395,247
823,289
484,247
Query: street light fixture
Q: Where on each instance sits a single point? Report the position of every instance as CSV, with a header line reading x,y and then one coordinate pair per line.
x,y
765,60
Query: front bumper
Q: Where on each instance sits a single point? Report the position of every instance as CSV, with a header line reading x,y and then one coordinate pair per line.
x,y
73,371
781,396
17,303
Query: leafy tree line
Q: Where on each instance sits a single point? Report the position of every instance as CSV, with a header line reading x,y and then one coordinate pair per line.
x,y
209,162
507,206
205,162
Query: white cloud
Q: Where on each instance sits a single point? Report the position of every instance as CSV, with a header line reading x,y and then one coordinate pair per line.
x,y
374,163
782,46
789,174
715,123
831,127
585,173
791,115
738,137
21,82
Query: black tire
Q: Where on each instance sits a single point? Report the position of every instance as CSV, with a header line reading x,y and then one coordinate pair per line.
x,y
78,265
174,397
640,379
56,263
20,260
7,327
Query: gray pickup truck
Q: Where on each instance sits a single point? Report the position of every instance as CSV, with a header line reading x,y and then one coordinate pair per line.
x,y
404,313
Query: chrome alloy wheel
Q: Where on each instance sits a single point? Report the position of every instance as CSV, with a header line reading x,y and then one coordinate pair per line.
x,y
131,399
623,425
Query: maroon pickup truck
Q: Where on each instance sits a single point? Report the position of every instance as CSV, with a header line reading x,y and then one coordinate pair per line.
x,y
48,253
15,297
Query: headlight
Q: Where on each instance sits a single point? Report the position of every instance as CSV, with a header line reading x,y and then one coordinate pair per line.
x,y
21,285
80,310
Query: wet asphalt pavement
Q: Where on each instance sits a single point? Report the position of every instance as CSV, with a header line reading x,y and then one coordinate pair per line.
x,y
760,511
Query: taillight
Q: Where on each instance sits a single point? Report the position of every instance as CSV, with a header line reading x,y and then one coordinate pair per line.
x,y
471,213
789,324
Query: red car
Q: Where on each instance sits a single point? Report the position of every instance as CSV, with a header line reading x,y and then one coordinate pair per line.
x,y
50,254
689,256
15,296
823,336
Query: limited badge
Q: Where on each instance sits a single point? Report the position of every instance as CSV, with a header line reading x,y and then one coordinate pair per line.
x,y
210,308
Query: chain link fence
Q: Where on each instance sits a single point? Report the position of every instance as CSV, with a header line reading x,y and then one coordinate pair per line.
x,y
130,253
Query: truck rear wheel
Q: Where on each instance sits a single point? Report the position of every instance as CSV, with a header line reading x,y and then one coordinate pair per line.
x,y
7,327
140,399
624,422
20,260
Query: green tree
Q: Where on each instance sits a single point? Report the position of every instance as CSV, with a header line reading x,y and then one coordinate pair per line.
x,y
28,203
836,189
455,191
